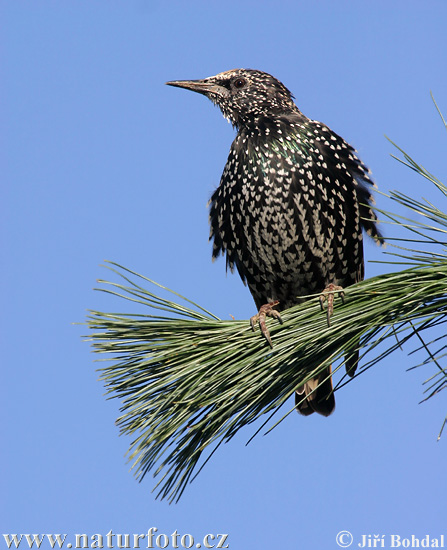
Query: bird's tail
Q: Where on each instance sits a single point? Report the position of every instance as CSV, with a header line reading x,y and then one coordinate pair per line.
x,y
322,400
318,393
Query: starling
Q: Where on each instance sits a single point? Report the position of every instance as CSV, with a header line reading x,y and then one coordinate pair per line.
x,y
290,207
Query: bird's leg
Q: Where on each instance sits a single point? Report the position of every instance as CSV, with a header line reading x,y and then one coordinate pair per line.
x,y
328,294
265,311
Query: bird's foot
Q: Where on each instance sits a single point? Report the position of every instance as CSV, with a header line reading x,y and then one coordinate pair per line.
x,y
265,311
328,294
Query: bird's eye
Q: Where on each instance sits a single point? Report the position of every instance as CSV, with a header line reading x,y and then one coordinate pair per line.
x,y
239,83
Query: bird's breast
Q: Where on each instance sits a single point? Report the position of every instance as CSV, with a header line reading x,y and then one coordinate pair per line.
x,y
285,228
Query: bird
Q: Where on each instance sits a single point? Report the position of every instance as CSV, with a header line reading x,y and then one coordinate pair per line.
x,y
290,209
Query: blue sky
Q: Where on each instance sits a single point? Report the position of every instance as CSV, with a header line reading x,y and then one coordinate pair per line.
x,y
105,162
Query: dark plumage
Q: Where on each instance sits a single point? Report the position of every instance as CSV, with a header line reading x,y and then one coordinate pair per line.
x,y
291,204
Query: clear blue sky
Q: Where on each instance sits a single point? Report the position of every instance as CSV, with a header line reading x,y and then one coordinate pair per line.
x,y
103,161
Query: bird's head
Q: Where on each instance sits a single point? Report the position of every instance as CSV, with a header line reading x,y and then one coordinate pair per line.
x,y
243,95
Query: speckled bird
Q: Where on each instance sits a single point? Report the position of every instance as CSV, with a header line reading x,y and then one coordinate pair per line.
x,y
290,208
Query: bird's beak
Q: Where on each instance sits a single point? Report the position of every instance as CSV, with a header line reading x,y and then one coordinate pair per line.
x,y
200,86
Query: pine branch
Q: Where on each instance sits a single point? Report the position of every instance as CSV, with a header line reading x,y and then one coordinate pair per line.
x,y
189,381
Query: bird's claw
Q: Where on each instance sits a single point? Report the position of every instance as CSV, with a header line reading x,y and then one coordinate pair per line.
x,y
265,311
328,294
